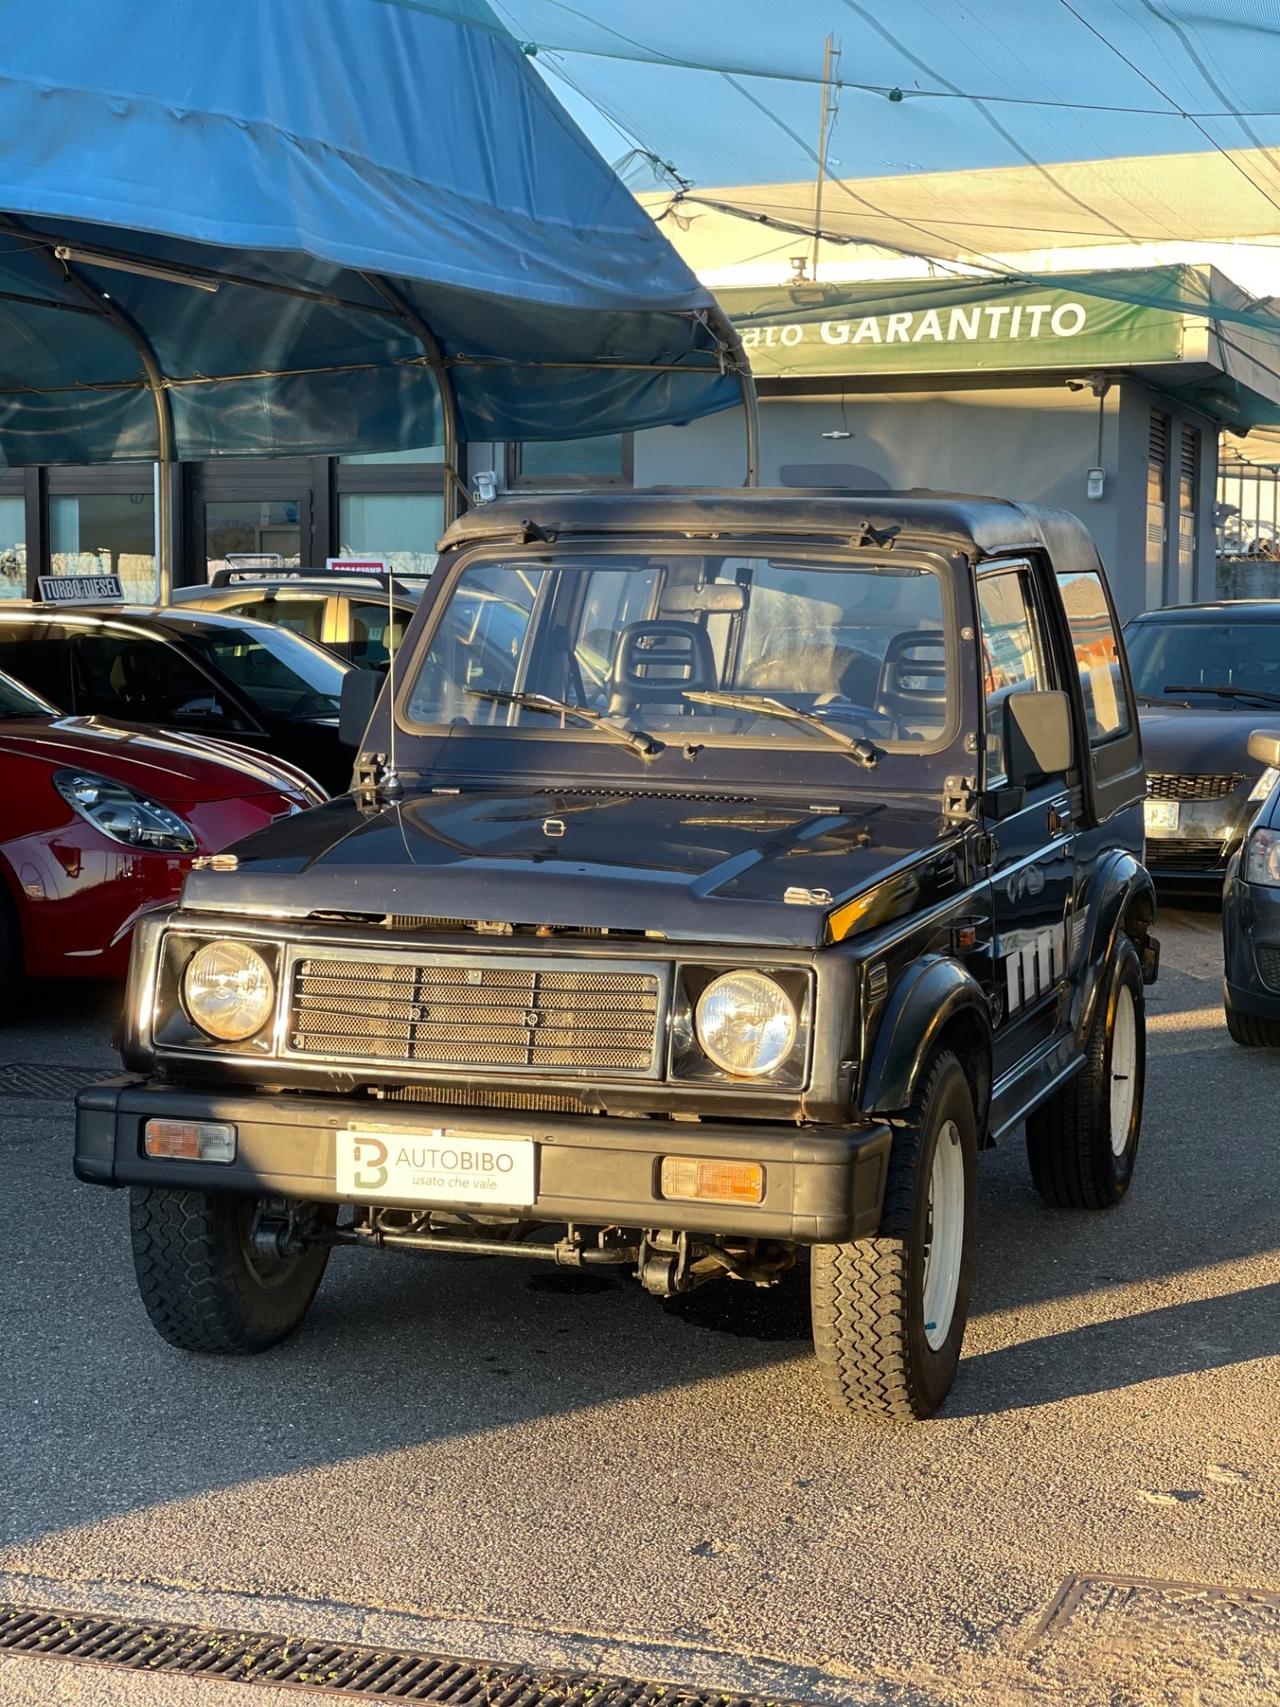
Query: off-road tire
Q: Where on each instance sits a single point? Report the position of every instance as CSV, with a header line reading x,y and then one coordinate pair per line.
x,y
867,1298
1073,1162
1251,1033
200,1282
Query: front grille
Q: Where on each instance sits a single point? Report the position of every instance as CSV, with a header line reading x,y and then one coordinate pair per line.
x,y
1192,785
1268,965
1174,854
458,1012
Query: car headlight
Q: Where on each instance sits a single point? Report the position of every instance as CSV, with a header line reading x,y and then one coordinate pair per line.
x,y
228,990
1265,783
1262,858
124,814
746,1023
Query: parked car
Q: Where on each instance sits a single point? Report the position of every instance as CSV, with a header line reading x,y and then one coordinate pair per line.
x,y
350,614
1205,675
1251,916
246,682
100,824
736,955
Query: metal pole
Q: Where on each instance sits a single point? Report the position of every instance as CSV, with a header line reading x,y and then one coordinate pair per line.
x,y
719,323
444,384
156,384
830,53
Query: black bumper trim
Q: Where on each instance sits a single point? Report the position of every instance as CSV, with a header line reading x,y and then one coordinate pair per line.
x,y
823,1184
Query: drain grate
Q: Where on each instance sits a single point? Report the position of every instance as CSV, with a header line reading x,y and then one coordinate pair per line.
x,y
1136,1610
39,1079
325,1668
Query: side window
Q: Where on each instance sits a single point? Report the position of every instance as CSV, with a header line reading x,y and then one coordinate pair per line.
x,y
368,625
295,611
140,680
1013,654
38,658
1097,655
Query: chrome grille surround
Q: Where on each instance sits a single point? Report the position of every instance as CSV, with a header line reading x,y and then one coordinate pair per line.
x,y
534,1014
1192,785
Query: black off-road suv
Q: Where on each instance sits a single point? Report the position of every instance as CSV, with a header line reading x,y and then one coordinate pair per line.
x,y
722,872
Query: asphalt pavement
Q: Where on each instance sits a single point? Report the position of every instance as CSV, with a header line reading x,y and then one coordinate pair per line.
x,y
536,1467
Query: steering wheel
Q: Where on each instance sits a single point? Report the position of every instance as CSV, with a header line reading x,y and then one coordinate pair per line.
x,y
312,705
849,708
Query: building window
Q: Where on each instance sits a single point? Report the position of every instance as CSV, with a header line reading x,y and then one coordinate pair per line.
x,y
13,546
403,527
252,527
105,533
607,460
391,504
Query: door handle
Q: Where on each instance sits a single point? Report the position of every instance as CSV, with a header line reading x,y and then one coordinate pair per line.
x,y
1058,817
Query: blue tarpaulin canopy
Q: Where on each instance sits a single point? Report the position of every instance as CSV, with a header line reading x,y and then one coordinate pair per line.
x,y
268,226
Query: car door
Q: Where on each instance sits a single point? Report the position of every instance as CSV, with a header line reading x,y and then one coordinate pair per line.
x,y
1032,832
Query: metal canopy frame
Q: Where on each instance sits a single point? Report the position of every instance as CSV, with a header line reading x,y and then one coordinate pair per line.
x,y
392,305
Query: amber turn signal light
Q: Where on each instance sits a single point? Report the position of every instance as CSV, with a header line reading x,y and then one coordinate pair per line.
x,y
698,1177
190,1140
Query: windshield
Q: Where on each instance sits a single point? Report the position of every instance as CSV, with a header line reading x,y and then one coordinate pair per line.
x,y
1198,660
694,648
282,673
15,701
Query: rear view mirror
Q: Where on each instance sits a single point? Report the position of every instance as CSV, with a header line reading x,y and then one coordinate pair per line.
x,y
1037,735
714,598
360,690
1264,745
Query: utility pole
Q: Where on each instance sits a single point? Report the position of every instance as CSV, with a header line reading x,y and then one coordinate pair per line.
x,y
830,106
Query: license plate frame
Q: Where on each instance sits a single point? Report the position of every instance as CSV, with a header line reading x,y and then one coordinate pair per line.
x,y
435,1167
1162,816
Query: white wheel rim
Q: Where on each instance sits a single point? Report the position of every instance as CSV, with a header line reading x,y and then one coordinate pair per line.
x,y
944,1238
1124,1068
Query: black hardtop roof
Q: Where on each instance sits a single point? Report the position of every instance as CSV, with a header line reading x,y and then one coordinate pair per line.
x,y
976,526
1267,608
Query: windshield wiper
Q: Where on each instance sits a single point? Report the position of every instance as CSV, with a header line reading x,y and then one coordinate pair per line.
x,y
860,750
636,739
1228,692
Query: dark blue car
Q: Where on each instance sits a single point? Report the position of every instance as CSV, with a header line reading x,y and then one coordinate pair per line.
x,y
1251,917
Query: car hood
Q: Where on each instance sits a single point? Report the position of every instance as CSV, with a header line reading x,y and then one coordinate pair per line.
x,y
175,769
1199,741
699,867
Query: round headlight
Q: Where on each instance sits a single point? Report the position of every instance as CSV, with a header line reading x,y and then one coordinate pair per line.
x,y
228,990
746,1023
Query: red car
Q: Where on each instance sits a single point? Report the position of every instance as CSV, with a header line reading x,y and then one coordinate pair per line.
x,y
98,824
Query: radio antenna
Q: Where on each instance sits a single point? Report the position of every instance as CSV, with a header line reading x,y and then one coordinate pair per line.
x,y
391,776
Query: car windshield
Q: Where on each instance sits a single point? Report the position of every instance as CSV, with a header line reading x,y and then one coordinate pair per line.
x,y
282,673
694,648
15,701
1213,661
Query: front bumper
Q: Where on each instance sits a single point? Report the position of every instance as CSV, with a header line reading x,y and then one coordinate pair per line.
x,y
823,1185
1251,947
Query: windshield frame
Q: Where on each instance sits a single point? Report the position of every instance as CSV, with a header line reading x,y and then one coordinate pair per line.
x,y
724,758
37,706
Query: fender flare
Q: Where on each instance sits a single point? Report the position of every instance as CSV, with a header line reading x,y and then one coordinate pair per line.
x,y
1120,881
933,993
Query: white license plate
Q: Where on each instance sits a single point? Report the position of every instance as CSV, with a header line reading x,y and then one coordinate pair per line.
x,y
1161,814
435,1166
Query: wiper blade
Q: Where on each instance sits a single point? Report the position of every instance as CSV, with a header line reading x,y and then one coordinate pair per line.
x,y
1228,691
862,751
636,739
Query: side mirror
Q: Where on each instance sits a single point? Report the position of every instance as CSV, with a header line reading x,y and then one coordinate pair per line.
x,y
1037,735
360,690
1264,745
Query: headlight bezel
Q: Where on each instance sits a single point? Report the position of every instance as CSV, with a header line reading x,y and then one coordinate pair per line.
x,y
688,1060
92,797
265,1017
1263,786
